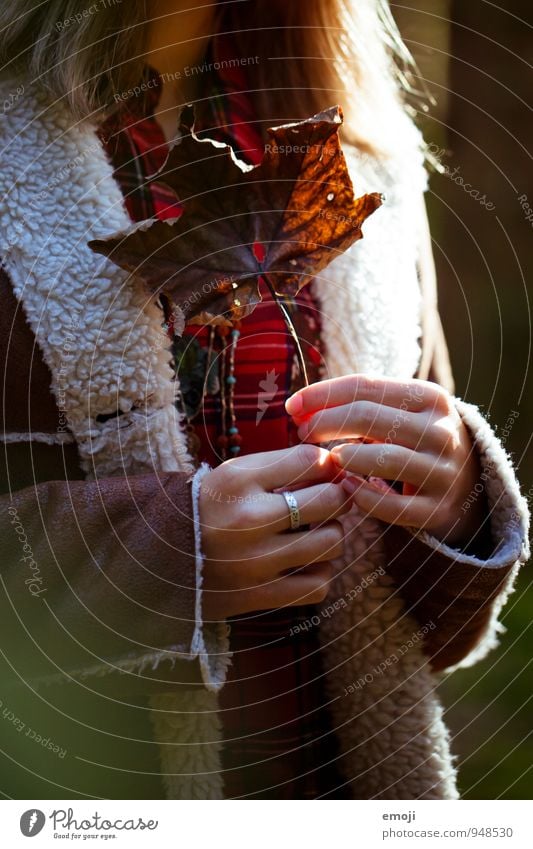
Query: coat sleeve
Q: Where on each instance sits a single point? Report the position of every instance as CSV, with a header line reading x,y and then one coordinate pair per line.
x,y
102,579
461,592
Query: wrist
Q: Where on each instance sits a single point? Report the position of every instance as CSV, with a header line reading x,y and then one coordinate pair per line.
x,y
472,533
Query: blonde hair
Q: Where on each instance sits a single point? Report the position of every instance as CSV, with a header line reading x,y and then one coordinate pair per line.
x,y
310,55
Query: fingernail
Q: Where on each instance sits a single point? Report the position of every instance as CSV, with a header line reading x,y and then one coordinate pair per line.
x,y
294,405
303,431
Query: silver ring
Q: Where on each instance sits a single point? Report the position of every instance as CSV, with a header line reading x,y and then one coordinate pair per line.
x,y
294,510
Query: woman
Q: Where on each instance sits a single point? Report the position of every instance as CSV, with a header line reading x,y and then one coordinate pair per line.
x,y
208,602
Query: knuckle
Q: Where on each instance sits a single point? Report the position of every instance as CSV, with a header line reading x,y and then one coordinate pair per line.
x,y
327,571
443,401
308,455
334,538
228,476
448,440
245,515
364,386
448,471
385,455
331,500
364,414
401,460
416,394
337,530
321,582
320,593
238,515
346,454
232,522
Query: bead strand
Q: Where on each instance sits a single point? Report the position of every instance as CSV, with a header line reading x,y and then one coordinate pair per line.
x,y
222,439
234,437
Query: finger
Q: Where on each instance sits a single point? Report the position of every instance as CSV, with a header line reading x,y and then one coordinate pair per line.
x,y
289,551
412,395
404,510
277,552
316,504
391,462
309,586
306,587
364,418
289,467
300,548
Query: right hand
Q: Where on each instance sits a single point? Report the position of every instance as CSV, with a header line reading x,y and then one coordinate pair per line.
x,y
252,560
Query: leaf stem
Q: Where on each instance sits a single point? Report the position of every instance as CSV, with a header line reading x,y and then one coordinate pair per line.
x,y
290,326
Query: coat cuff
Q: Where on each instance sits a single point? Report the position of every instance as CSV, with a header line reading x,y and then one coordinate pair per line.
x,y
121,596
210,642
463,593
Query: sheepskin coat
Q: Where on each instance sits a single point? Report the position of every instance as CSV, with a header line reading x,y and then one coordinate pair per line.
x,y
402,608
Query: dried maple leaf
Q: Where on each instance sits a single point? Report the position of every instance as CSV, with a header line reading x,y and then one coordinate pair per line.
x,y
285,219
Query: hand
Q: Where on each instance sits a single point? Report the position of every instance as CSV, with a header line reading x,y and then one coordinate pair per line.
x,y
416,436
252,560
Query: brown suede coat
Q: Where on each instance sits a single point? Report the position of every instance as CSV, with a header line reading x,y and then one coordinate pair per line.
x,y
117,567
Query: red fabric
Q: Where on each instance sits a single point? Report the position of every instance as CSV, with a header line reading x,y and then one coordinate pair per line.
x,y
264,357
277,736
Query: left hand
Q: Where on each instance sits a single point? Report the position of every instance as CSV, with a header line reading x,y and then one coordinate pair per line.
x,y
417,437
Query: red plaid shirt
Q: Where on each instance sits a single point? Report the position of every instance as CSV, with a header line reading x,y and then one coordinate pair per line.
x,y
278,740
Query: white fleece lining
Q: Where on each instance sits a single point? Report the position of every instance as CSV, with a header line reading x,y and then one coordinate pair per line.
x,y
36,436
394,742
135,665
210,642
369,296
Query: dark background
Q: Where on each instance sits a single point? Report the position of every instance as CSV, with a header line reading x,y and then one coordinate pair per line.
x,y
476,59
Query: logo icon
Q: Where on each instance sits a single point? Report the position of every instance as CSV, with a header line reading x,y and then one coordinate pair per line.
x,y
32,822
268,388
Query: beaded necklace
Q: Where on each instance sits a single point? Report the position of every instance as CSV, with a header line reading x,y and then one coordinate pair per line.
x,y
229,441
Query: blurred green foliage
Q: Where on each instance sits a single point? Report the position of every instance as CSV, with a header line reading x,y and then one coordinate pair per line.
x,y
476,58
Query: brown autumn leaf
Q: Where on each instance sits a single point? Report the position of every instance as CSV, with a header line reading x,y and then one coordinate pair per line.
x,y
285,219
